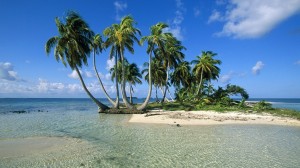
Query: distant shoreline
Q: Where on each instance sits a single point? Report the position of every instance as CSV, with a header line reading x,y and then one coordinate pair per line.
x,y
181,118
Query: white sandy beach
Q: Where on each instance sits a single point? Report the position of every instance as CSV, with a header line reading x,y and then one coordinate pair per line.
x,y
180,118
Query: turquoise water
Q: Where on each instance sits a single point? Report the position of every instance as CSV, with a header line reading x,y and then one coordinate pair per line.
x,y
288,103
113,142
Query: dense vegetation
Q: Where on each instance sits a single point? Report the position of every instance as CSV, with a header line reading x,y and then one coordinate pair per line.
x,y
166,66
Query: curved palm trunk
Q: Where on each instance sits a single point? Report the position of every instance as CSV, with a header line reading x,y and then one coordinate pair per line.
x,y
101,106
201,78
165,91
100,81
117,81
124,96
144,105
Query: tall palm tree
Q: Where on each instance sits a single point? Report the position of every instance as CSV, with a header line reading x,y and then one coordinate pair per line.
x,y
155,40
122,36
170,56
206,66
72,46
158,74
181,76
132,75
97,46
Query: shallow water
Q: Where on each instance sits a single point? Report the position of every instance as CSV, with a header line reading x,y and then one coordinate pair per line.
x,y
110,141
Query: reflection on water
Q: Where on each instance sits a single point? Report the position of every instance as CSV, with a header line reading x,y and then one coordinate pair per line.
x,y
110,141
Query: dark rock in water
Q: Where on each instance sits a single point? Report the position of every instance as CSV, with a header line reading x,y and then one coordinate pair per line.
x,y
122,111
81,164
19,111
178,125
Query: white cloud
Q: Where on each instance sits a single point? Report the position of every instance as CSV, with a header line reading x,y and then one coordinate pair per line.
x,y
119,7
254,18
257,67
44,86
215,16
175,26
110,63
7,71
84,74
225,78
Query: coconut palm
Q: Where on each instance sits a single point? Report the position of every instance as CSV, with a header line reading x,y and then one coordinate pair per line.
x,y
97,46
133,76
72,46
170,56
206,67
158,74
120,37
181,75
155,41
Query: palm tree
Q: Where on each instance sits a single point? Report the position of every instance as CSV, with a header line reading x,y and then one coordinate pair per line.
x,y
181,75
122,36
97,46
133,76
170,56
155,40
206,66
72,46
158,74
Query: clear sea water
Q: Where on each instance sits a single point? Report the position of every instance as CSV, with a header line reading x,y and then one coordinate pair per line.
x,y
113,142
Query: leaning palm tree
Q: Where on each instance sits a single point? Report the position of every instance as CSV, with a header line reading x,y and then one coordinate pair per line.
x,y
72,46
155,40
120,37
97,46
206,66
158,74
171,56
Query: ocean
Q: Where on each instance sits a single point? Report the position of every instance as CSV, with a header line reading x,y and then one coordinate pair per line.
x,y
110,141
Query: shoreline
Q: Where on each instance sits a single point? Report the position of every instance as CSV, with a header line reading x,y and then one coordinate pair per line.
x,y
179,118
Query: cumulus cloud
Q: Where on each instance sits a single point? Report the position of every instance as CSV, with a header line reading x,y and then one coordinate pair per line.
x,y
84,74
45,86
254,18
257,67
119,7
7,71
226,78
175,26
215,16
110,63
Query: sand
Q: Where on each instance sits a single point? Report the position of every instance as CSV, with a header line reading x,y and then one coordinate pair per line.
x,y
18,147
181,118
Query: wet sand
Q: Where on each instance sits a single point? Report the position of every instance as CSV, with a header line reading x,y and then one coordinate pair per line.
x,y
20,147
209,118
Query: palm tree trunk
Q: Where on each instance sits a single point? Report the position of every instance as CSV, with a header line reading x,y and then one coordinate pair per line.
x,y
145,103
170,95
162,92
165,91
117,82
101,106
101,84
156,94
127,104
200,84
130,88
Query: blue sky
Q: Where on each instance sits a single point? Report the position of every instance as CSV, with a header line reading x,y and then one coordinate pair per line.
x,y
258,42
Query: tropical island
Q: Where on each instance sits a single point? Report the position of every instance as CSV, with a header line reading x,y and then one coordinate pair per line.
x,y
166,67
